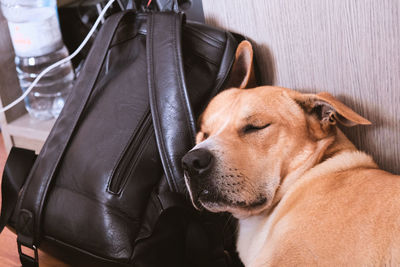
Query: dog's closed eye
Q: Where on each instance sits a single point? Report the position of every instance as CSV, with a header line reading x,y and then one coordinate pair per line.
x,y
201,136
250,128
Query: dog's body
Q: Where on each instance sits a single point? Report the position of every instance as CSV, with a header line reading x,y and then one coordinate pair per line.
x,y
342,212
303,194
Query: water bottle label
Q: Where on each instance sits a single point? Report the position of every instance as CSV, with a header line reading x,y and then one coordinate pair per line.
x,y
35,38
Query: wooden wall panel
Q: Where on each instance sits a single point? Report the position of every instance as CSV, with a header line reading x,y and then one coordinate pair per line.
x,y
350,48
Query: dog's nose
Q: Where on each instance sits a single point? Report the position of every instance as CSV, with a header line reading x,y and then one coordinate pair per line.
x,y
197,161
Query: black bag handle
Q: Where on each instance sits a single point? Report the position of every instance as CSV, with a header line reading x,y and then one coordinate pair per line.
x,y
173,119
31,201
171,111
167,5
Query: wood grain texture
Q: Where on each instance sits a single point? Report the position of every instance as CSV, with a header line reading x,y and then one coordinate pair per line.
x,y
350,48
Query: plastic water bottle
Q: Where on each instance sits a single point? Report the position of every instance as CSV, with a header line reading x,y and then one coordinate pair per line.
x,y
37,41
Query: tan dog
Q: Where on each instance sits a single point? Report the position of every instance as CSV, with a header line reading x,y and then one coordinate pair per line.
x,y
303,194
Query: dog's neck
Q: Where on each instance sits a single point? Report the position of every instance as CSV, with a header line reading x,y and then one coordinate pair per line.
x,y
334,154
339,145
321,150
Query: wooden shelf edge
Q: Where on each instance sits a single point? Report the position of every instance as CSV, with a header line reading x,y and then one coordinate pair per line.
x,y
27,127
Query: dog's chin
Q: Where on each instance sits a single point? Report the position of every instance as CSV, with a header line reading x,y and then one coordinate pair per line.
x,y
216,202
238,210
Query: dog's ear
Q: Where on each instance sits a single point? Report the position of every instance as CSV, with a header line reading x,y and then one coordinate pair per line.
x,y
242,73
329,110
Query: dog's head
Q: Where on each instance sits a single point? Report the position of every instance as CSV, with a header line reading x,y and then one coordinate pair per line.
x,y
251,140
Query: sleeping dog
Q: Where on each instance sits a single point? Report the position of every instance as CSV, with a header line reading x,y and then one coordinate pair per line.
x,y
304,195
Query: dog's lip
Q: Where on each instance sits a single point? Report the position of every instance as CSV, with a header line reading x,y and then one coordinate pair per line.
x,y
209,195
235,204
259,202
195,196
197,204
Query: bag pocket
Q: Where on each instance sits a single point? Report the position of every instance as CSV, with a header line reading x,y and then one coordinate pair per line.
x,y
129,158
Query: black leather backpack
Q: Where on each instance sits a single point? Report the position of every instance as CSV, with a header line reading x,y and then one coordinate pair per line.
x,y
107,187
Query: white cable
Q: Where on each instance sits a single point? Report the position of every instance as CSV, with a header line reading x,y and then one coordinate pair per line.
x,y
62,61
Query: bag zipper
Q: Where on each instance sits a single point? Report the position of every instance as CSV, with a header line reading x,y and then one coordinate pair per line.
x,y
130,157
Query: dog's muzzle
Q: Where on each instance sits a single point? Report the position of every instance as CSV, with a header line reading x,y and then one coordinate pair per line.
x,y
198,166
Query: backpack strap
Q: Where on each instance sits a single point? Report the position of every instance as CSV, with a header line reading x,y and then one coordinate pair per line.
x,y
16,170
31,201
173,118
